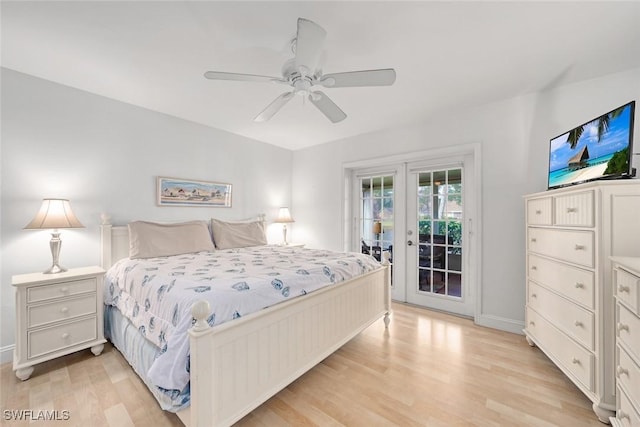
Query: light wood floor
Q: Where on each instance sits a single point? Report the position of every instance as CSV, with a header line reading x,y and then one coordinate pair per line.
x,y
428,369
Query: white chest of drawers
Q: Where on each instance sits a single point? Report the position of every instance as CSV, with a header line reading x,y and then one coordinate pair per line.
x,y
571,233
57,314
626,288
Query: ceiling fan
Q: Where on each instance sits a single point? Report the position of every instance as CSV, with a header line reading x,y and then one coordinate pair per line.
x,y
303,73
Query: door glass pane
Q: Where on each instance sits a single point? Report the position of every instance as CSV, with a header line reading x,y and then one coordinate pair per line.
x,y
424,279
377,216
439,225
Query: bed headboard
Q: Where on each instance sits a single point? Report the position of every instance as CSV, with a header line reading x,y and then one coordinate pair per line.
x,y
114,241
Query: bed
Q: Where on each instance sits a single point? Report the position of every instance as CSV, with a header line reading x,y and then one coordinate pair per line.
x,y
237,365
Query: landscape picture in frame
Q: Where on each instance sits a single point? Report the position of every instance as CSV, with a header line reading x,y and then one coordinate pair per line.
x,y
183,192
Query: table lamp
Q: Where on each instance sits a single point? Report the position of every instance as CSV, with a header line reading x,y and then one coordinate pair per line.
x,y
54,214
284,217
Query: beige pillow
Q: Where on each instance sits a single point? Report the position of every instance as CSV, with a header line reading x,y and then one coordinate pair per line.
x,y
151,239
237,234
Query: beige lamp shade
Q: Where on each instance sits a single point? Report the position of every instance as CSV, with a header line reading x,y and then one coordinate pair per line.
x,y
54,214
284,216
377,227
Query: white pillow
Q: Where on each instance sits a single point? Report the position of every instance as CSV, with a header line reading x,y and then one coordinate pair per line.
x,y
238,234
151,239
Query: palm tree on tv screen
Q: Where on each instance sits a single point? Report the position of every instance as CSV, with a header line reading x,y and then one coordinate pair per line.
x,y
602,124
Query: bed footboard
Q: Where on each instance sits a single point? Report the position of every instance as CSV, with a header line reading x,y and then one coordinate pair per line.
x,y
237,366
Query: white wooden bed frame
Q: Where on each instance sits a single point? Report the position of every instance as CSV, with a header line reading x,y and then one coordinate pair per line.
x,y
237,366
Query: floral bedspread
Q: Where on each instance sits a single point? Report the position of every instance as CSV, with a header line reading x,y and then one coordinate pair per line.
x,y
156,294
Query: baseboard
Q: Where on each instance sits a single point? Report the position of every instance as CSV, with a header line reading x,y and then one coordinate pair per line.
x,y
6,353
501,323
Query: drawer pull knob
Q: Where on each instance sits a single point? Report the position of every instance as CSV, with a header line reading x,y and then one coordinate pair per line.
x,y
579,285
65,336
533,267
533,239
622,288
532,323
534,295
575,361
570,210
64,310
64,290
538,212
580,247
622,371
623,327
578,323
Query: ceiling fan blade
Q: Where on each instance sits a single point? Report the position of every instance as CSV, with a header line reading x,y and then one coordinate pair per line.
x,y
327,106
384,77
274,107
309,42
219,75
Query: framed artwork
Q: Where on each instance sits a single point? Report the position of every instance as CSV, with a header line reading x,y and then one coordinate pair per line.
x,y
183,192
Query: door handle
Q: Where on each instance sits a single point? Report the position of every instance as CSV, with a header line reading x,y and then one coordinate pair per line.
x,y
409,242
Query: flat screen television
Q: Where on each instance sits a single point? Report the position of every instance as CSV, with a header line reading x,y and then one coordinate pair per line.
x,y
599,149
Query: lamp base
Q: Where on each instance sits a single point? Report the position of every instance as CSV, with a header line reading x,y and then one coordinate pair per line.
x,y
55,244
54,269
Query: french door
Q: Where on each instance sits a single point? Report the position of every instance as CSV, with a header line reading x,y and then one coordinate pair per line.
x,y
436,243
421,213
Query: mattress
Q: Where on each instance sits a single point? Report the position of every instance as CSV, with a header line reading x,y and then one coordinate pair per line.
x,y
155,296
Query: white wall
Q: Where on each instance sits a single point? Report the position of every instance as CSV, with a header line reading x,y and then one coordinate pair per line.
x,y
104,156
514,135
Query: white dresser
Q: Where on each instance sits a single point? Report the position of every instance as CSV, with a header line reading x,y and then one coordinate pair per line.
x,y
57,314
571,233
626,288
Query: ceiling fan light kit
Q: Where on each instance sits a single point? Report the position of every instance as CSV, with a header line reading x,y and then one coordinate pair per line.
x,y
303,72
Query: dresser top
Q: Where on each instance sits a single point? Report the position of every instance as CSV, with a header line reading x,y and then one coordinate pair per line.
x,y
71,274
631,263
603,183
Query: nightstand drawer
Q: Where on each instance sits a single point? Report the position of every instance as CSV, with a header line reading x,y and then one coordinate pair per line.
x,y
60,310
64,289
59,337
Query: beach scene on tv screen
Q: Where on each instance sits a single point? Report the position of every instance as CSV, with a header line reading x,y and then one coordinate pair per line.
x,y
596,149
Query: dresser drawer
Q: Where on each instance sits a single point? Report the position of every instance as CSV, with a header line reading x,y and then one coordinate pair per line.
x,y
567,245
57,290
628,330
626,413
47,340
562,313
574,210
628,374
574,358
626,288
60,310
539,211
572,282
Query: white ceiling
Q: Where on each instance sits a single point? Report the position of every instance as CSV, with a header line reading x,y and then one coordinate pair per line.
x,y
447,55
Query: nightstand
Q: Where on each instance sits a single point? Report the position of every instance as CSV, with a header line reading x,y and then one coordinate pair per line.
x,y
57,314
